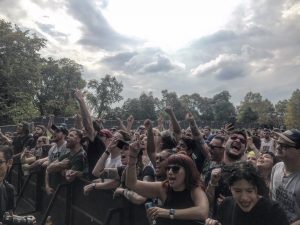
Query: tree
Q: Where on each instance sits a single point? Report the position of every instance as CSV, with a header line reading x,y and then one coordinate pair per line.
x,y
264,108
223,109
292,118
104,94
248,117
171,99
19,72
58,80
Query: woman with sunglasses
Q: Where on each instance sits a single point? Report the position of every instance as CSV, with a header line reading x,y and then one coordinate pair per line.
x,y
247,205
181,194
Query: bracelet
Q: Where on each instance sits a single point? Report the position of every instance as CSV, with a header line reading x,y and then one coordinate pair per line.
x,y
94,186
172,213
107,152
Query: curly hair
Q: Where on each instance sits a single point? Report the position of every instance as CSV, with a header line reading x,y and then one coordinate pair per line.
x,y
245,171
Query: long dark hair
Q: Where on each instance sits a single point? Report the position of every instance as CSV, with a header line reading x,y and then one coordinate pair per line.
x,y
246,171
192,176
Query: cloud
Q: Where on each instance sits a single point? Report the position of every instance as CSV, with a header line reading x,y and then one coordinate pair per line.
x,y
143,61
50,30
96,31
224,67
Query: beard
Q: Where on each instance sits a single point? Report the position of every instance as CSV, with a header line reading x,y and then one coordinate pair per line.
x,y
234,157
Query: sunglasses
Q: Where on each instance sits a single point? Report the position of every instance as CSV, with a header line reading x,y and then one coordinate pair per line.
x,y
174,168
234,138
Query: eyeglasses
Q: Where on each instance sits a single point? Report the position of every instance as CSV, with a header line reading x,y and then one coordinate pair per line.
x,y
174,168
213,147
2,161
234,138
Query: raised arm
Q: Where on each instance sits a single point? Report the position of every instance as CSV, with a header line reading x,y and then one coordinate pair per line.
x,y
50,123
197,136
121,124
150,142
100,165
78,121
146,189
5,139
160,123
86,117
175,124
130,121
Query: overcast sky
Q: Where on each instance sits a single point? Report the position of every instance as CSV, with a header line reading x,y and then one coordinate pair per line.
x,y
187,46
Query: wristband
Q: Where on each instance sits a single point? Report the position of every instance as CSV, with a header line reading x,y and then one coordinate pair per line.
x,y
172,213
107,152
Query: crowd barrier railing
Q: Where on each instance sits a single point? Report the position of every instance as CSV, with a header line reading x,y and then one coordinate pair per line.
x,y
68,205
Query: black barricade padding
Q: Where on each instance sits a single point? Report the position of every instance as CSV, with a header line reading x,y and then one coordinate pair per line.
x,y
84,210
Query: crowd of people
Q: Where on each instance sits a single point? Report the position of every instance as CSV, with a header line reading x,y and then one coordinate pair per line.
x,y
183,176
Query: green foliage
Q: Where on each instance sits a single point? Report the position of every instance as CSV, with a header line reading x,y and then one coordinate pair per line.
x,y
292,118
247,116
58,80
263,108
19,71
141,108
171,99
104,94
223,109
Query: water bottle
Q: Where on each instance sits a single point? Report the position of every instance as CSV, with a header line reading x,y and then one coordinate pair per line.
x,y
149,205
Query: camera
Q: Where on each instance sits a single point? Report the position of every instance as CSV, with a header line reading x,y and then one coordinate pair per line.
x,y
18,220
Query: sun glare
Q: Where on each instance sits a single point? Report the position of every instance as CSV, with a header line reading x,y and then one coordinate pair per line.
x,y
168,23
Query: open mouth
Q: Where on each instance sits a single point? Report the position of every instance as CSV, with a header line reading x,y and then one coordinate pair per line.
x,y
245,205
236,146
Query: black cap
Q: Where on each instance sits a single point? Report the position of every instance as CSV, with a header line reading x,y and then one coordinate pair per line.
x,y
60,129
291,136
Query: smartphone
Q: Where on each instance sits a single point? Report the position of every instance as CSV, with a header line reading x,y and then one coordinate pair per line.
x,y
149,205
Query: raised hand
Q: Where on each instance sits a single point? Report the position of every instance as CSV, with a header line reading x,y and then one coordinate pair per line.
x,y
169,110
78,94
189,117
148,124
215,176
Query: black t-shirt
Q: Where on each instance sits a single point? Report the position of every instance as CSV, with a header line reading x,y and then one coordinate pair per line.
x,y
94,150
7,201
78,161
20,142
265,212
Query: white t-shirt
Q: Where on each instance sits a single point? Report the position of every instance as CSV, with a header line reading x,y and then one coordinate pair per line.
x,y
286,191
267,146
113,163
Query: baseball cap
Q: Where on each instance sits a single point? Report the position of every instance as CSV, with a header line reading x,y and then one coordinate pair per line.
x,y
59,129
291,136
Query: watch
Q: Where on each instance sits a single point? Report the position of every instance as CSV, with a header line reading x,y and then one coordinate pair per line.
x,y
172,213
